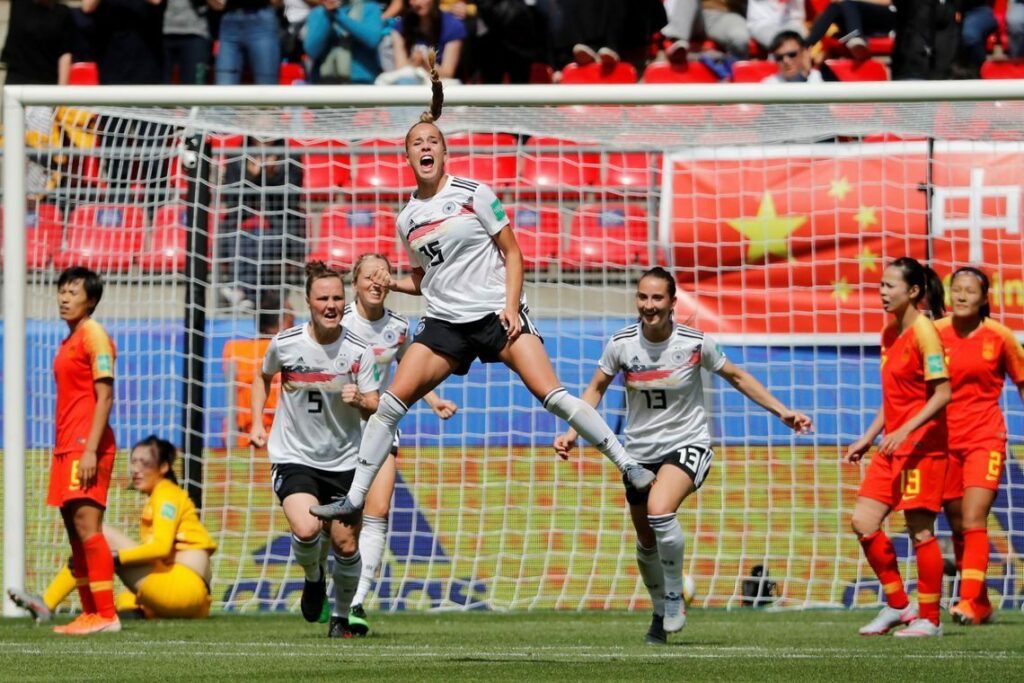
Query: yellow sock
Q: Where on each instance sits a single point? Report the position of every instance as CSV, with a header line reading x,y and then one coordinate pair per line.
x,y
59,588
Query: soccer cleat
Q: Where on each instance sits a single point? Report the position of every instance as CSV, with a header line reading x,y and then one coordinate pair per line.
x,y
675,613
94,624
640,478
920,628
357,622
656,633
31,603
81,618
338,628
970,613
338,509
325,613
888,619
314,595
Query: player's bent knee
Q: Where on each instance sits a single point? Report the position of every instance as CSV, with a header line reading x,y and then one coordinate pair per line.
x,y
390,410
863,526
307,531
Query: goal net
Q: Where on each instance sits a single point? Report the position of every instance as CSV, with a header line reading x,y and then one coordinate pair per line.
x,y
776,220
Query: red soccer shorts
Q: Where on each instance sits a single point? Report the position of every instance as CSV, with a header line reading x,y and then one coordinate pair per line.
x,y
912,482
65,485
980,466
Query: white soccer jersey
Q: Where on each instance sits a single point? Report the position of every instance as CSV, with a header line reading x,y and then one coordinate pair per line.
x,y
387,336
451,237
312,425
664,391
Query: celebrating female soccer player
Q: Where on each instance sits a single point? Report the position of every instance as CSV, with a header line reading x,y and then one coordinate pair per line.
x,y
169,572
468,267
329,383
83,457
980,352
387,333
667,425
909,469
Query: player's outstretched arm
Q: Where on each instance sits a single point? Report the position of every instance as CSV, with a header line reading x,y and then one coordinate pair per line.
x,y
565,443
259,392
443,408
749,386
856,450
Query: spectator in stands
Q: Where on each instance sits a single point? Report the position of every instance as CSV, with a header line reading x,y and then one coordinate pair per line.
x,y
515,37
342,37
927,36
768,18
790,52
294,30
725,22
186,42
128,40
40,40
248,34
262,238
855,20
608,31
424,24
681,16
1015,27
978,22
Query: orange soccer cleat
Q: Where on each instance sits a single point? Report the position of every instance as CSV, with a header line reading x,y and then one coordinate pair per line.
x,y
87,624
970,613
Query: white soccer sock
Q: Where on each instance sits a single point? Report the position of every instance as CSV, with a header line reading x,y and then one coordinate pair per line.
x,y
378,437
307,556
670,550
653,576
371,546
346,578
325,548
587,422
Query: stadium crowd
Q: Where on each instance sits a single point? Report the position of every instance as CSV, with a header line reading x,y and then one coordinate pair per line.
x,y
497,41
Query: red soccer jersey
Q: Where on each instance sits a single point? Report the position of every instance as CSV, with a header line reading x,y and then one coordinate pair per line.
x,y
909,361
977,365
84,357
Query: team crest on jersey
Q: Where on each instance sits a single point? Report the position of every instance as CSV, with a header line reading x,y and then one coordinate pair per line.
x,y
449,208
390,336
988,350
342,364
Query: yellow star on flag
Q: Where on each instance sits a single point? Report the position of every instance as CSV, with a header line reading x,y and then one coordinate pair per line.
x,y
866,217
868,260
840,188
768,232
841,290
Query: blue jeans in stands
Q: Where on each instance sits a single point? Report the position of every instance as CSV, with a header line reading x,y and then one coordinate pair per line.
x,y
248,36
978,24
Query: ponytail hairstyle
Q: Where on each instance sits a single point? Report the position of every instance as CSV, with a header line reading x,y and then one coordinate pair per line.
x,y
985,310
661,274
432,114
318,270
164,451
928,283
363,258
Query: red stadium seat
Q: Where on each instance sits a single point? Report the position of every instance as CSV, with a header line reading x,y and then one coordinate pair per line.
x,y
551,166
483,162
687,72
632,170
753,71
327,168
598,74
84,73
854,70
291,74
538,231
104,237
125,217
541,74
1010,68
166,251
608,236
43,233
382,167
347,230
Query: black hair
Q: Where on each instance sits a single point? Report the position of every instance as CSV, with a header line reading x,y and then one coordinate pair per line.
x,y
784,37
412,33
318,270
986,309
164,451
928,283
662,274
269,319
91,283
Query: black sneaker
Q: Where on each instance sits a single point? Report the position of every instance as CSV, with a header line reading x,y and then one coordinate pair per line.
x,y
357,622
338,628
656,633
313,595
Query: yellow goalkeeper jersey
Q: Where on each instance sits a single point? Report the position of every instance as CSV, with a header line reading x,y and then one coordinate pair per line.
x,y
169,523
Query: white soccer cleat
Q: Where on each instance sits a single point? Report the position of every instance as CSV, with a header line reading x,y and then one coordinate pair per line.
x,y
888,619
920,628
675,613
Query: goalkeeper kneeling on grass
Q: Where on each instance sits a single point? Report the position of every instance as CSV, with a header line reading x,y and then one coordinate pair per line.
x,y
168,574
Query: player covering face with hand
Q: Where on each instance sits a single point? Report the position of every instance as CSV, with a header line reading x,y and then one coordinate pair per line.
x,y
468,267
667,431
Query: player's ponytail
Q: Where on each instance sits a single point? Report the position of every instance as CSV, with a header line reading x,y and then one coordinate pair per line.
x,y
164,452
928,283
986,310
436,91
317,270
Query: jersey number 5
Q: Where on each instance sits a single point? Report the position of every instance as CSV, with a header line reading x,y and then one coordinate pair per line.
x,y
656,398
433,252
316,402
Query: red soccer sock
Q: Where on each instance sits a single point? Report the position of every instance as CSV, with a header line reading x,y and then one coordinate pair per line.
x,y
929,579
80,570
101,574
975,566
958,549
882,557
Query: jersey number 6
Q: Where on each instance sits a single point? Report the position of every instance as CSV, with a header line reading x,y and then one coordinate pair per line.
x,y
433,252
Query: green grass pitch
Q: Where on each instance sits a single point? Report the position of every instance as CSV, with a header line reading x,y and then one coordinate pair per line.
x,y
741,645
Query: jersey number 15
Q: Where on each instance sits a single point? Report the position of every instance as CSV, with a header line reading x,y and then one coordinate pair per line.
x,y
433,252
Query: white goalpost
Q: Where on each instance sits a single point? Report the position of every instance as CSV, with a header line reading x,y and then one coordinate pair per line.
x,y
776,206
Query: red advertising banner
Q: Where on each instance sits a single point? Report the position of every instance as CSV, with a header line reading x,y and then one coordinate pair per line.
x,y
793,239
